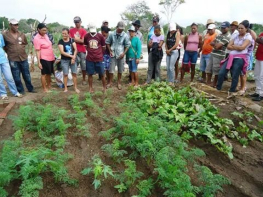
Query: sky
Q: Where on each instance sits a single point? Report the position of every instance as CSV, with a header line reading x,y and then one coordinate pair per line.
x,y
95,11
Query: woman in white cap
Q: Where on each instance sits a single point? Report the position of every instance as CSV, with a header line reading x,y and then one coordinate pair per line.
x,y
171,44
133,56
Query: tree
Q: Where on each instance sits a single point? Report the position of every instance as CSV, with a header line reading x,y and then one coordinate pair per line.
x,y
4,22
24,26
169,7
138,11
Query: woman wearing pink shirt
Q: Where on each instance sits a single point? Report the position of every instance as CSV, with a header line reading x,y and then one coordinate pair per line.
x,y
45,56
191,44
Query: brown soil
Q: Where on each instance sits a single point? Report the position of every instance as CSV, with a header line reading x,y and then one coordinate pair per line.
x,y
244,171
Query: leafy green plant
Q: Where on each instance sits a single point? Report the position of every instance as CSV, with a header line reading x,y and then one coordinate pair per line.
x,y
128,177
99,170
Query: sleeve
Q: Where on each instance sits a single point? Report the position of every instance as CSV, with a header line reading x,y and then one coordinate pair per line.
x,y
2,40
85,40
103,44
162,38
36,44
60,42
25,39
224,41
84,32
109,39
151,38
127,41
71,33
139,48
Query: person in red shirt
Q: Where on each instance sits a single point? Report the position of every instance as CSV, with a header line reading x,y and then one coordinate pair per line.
x,y
78,34
95,45
258,71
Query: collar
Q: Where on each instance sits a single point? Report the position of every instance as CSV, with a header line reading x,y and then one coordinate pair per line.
x,y
93,35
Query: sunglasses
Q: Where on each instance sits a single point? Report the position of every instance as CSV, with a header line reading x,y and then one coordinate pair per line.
x,y
15,24
76,22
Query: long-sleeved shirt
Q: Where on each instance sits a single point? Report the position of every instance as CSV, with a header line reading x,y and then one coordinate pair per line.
x,y
118,42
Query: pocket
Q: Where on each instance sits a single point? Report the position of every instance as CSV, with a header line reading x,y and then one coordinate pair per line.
x,y
12,64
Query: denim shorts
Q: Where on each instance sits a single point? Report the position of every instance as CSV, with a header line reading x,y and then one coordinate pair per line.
x,y
81,59
204,62
132,65
106,61
190,56
92,67
66,64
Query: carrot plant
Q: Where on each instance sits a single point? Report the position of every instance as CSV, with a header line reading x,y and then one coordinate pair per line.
x,y
27,159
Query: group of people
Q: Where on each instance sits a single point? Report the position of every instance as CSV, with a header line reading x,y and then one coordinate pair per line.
x,y
228,49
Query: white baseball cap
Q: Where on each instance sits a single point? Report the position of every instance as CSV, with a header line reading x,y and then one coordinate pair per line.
x,y
211,26
172,27
132,28
13,21
92,28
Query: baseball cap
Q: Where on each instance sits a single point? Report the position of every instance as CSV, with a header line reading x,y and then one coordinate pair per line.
x,y
156,19
211,26
121,25
225,24
105,21
234,23
13,21
132,28
172,27
210,21
105,29
77,19
92,28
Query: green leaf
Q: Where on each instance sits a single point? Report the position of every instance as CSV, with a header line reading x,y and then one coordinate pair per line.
x,y
86,171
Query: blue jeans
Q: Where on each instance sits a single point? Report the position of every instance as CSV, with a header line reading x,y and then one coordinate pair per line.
x,y
6,72
170,63
132,65
204,62
21,67
235,70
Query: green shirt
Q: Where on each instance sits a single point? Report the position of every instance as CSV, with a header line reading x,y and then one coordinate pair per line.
x,y
135,48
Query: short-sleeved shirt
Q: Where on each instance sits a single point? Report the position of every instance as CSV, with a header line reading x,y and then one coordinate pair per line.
x,y
15,47
157,39
259,53
3,58
68,48
151,32
118,42
224,40
207,48
94,44
43,44
78,33
239,41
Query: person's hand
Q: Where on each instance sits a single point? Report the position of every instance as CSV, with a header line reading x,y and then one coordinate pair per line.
x,y
40,66
121,56
72,61
111,53
137,61
168,52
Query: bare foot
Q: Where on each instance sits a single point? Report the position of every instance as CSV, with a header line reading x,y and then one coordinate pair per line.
x,y
91,90
104,90
108,86
77,91
66,90
119,87
145,84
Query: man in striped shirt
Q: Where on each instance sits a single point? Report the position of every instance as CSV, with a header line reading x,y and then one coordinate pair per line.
x,y
218,54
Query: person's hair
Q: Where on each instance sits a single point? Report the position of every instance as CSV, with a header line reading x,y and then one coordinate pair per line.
x,y
41,26
105,29
194,24
180,29
65,29
157,27
246,24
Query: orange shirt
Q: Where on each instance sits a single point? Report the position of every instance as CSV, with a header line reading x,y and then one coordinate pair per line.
x,y
207,48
